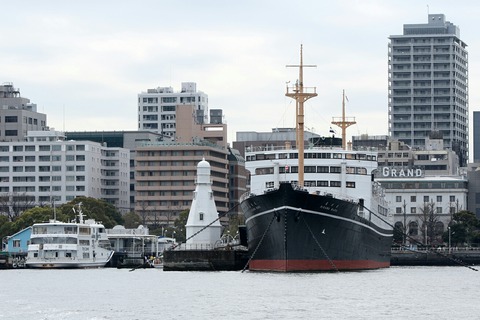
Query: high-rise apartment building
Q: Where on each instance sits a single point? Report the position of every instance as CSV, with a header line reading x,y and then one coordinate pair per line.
x,y
18,115
157,107
428,85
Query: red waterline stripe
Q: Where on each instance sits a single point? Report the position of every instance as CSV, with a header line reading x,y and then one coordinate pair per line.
x,y
315,265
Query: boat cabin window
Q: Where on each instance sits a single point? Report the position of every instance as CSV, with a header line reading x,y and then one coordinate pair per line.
x,y
282,155
293,155
308,183
322,183
70,230
260,157
350,184
335,169
294,169
336,184
350,156
361,156
361,171
201,216
269,184
350,170
84,230
337,156
323,169
84,242
310,169
260,171
39,230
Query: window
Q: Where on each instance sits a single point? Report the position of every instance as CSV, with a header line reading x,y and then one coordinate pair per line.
x,y
335,169
201,216
413,210
322,183
11,119
413,198
350,184
80,147
322,169
309,169
398,210
426,199
44,148
398,198
70,157
336,184
439,198
452,198
439,210
11,133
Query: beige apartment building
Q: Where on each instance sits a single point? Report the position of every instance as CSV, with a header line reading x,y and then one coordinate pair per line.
x,y
165,175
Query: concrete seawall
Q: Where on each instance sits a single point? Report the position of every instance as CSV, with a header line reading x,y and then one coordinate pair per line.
x,y
436,257
204,260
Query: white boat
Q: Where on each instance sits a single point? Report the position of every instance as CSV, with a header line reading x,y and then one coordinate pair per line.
x,y
56,244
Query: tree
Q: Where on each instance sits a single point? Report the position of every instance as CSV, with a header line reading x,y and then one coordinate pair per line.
x,y
132,220
6,227
13,204
180,223
430,218
92,208
464,229
27,219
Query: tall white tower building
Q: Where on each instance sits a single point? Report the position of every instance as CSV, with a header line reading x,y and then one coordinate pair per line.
x,y
428,85
202,212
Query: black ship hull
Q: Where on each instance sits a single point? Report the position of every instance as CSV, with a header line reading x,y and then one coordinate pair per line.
x,y
292,231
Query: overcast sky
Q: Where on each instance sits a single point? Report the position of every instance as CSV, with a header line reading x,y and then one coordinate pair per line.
x,y
84,62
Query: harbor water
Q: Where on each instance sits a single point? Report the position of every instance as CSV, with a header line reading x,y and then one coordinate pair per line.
x,y
393,293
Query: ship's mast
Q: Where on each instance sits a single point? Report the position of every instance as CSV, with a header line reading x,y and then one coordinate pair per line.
x,y
300,94
343,123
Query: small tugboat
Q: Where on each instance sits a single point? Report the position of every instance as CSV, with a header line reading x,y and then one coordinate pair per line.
x,y
56,244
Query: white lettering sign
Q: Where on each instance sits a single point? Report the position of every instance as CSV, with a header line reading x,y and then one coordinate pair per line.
x,y
402,172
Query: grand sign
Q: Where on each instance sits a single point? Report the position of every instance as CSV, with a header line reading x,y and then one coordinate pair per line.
x,y
399,172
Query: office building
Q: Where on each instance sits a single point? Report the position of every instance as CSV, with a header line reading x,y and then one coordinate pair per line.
x,y
18,115
428,85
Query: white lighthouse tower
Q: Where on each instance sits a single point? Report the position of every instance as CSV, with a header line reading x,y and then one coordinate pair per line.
x,y
203,212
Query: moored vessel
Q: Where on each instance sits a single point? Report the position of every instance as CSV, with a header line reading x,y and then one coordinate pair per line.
x,y
78,244
314,209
